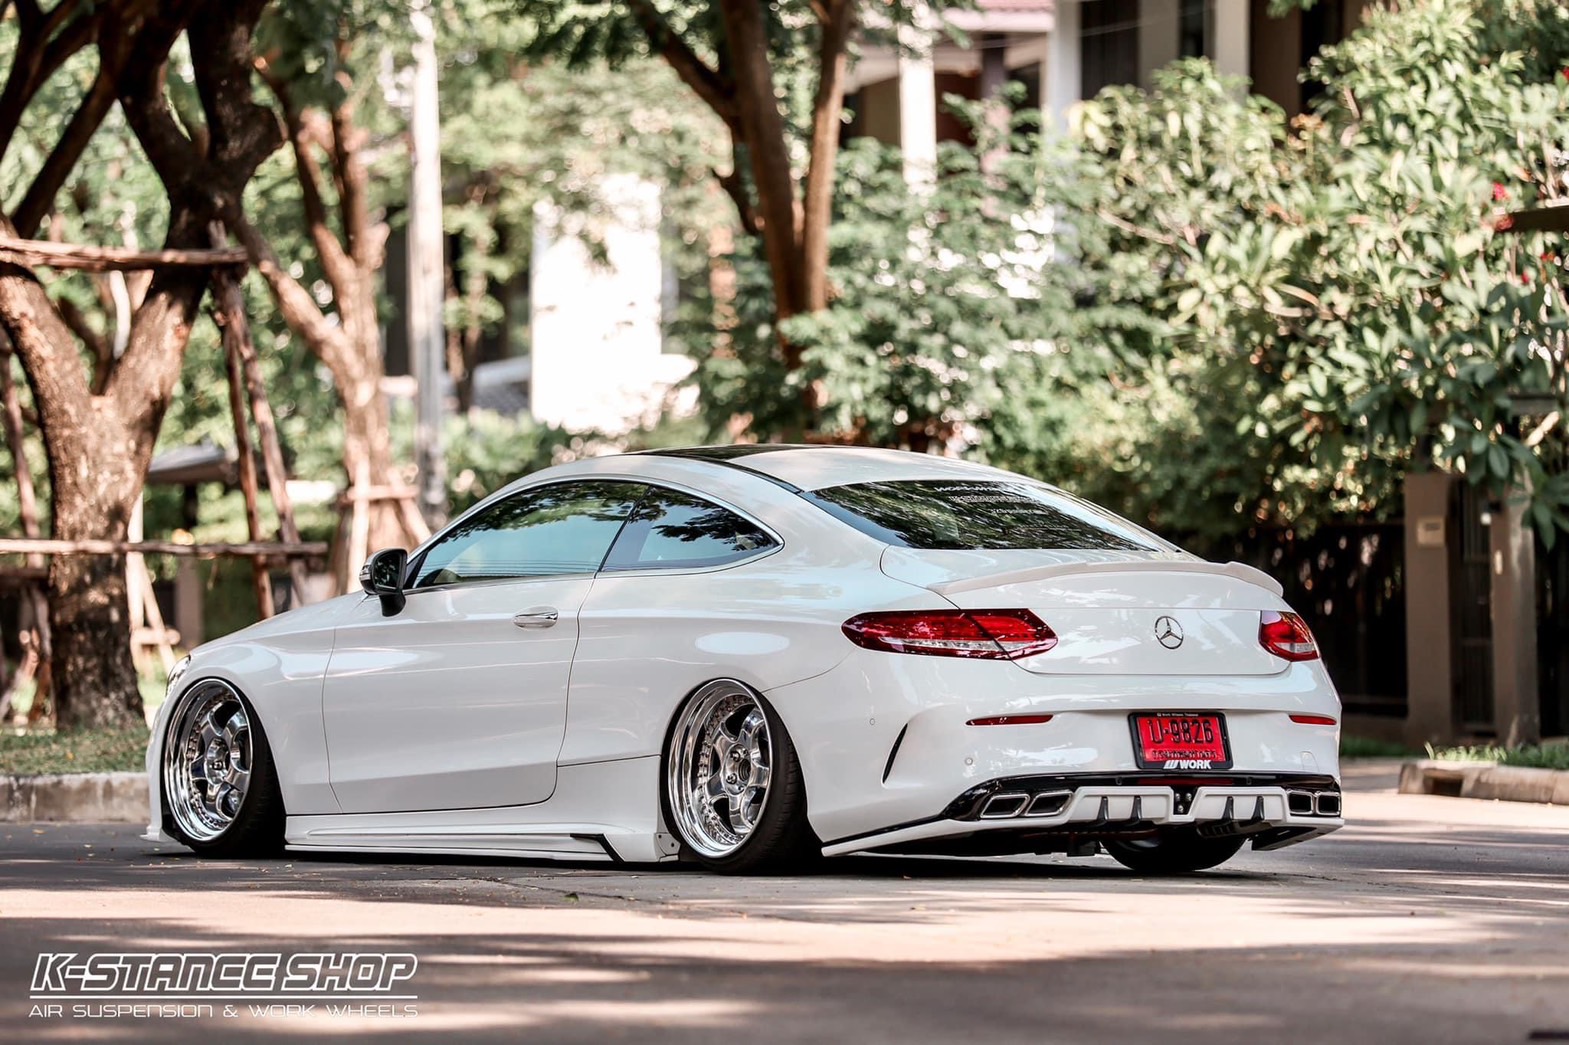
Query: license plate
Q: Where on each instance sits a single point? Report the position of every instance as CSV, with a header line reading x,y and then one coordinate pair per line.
x,y
1180,741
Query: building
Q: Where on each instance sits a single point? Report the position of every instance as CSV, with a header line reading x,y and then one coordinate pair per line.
x,y
1063,51
589,322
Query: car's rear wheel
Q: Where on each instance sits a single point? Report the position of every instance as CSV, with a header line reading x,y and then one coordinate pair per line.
x,y
220,788
1175,853
734,792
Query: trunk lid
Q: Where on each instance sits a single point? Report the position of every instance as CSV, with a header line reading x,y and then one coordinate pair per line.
x,y
1114,613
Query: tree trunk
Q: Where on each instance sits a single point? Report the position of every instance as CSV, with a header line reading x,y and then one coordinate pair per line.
x,y
769,152
827,111
93,674
99,433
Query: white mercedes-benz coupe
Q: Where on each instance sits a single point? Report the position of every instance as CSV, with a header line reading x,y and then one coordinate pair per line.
x,y
749,656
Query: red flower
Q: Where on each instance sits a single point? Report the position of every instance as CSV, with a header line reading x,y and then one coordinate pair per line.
x,y
1499,192
1564,73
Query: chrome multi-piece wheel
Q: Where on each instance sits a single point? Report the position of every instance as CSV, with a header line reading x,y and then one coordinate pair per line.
x,y
218,783
733,786
720,769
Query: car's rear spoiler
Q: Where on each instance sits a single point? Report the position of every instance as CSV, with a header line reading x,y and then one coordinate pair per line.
x,y
1236,570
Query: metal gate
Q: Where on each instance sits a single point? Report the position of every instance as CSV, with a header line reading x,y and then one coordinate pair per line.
x,y
1471,607
1347,579
1552,634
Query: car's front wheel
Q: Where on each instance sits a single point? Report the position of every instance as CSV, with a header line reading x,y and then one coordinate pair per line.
x,y
1175,853
734,792
220,788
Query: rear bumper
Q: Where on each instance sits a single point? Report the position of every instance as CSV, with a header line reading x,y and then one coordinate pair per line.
x,y
886,740
1058,813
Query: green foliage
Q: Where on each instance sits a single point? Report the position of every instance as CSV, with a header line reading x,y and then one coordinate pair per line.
x,y
1531,756
948,302
1246,322
1366,747
486,451
1434,329
1337,307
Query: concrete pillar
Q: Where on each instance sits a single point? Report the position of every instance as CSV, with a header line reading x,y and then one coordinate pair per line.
x,y
1158,43
1229,48
188,591
1062,77
1429,538
1516,699
918,110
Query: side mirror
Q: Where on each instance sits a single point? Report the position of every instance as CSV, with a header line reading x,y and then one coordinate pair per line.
x,y
382,577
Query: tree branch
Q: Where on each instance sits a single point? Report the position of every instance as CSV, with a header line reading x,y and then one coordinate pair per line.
x,y
44,344
32,252
334,261
63,158
353,185
28,15
37,57
734,185
299,308
708,84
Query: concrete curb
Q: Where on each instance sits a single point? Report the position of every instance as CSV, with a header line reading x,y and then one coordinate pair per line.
x,y
74,798
1485,780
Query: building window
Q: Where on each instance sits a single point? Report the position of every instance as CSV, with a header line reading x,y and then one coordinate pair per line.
x,y
1191,29
1109,44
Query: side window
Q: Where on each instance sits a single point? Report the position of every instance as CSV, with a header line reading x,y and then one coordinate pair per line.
x,y
556,529
675,530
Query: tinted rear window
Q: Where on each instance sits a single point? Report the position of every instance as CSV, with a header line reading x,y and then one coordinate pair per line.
x,y
948,514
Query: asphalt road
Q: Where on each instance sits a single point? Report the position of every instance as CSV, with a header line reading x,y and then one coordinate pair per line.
x,y
1429,920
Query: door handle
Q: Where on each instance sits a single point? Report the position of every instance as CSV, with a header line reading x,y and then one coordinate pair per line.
x,y
538,617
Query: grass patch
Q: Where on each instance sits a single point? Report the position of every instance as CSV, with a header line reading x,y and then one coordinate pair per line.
x,y
84,751
1554,756
1363,747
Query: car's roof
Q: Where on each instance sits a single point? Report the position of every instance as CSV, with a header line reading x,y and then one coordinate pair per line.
x,y
810,467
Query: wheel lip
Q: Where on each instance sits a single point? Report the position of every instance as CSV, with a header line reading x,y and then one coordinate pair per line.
x,y
177,784
689,725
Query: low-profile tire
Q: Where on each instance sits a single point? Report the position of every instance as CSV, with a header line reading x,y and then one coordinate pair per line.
x,y
220,788
733,789
1175,853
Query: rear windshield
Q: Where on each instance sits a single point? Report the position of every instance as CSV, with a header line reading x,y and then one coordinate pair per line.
x,y
969,514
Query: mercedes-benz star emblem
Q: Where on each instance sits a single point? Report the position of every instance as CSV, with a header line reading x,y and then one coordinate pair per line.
x,y
1168,632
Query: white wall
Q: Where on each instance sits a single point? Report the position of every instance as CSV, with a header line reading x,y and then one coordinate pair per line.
x,y
598,344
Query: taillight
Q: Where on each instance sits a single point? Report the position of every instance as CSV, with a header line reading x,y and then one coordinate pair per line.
x,y
983,634
1314,720
1286,636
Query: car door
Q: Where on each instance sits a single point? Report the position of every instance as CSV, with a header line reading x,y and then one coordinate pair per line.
x,y
459,701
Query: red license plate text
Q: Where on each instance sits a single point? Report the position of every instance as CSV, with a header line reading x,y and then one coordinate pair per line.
x,y
1181,741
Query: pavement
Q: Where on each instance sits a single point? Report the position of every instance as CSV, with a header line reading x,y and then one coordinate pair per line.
x,y
1430,919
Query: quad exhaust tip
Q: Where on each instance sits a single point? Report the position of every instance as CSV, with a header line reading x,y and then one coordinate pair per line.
x,y
1049,803
1014,803
1310,803
1000,807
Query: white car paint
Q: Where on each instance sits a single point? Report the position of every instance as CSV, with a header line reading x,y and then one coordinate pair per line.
x,y
445,728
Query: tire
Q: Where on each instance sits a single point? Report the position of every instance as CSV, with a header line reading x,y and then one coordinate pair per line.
x,y
220,787
723,734
1176,853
